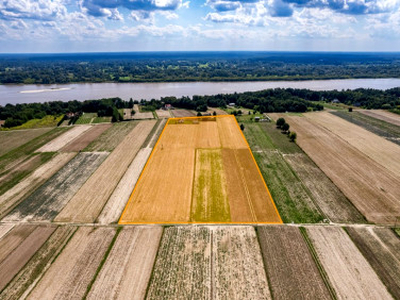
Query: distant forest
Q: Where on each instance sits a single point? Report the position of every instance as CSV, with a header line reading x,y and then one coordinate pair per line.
x,y
271,100
194,66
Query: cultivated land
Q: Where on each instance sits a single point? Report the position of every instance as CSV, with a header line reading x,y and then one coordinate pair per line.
x,y
382,115
59,142
348,271
126,272
141,115
86,138
373,190
4,229
89,201
163,113
184,179
382,151
48,200
15,138
381,247
180,113
291,269
71,273
13,239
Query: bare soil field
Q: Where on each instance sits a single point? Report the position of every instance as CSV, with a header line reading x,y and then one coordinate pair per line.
x,y
348,271
89,201
163,114
209,263
141,115
86,138
71,273
230,133
375,147
15,195
4,229
290,267
382,115
381,247
329,198
181,113
115,205
64,139
30,274
369,186
11,265
48,200
127,270
111,138
218,111
15,138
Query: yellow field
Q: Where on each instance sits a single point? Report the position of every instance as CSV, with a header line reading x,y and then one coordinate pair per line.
x,y
201,171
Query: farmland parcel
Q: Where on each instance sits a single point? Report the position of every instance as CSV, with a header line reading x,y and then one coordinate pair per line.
x,y
201,171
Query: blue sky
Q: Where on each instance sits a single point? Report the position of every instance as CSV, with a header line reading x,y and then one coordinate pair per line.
x,y
194,25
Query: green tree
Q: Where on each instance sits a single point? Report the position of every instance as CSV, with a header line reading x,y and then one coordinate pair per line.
x,y
280,122
285,127
293,136
242,127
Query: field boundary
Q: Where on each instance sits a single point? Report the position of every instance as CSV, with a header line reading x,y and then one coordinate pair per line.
x,y
190,222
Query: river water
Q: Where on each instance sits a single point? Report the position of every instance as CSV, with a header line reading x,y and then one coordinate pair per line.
x,y
84,91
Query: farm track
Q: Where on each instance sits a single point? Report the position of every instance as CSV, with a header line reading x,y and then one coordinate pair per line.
x,y
89,201
290,267
86,138
381,247
71,273
348,271
64,139
15,195
382,115
127,271
48,200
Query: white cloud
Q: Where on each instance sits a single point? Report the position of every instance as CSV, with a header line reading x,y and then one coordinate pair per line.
x,y
32,9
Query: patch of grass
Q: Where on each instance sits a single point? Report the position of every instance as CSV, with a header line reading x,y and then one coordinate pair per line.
x,y
101,120
397,230
86,118
47,121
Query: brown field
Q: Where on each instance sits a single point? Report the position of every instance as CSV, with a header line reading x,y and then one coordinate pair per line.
x,y
218,111
163,114
15,138
89,201
86,138
369,186
126,273
348,271
141,115
71,273
375,147
383,115
181,113
4,229
115,205
164,192
16,194
290,267
64,139
209,263
381,247
30,274
328,197
10,266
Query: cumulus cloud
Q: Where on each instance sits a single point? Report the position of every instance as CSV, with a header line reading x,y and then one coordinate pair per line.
x,y
32,9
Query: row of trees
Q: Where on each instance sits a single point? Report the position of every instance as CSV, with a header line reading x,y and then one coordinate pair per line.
x,y
281,124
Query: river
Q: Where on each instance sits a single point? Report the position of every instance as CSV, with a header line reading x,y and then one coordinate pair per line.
x,y
83,91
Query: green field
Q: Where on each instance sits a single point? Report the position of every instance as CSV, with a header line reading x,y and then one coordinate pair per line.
x,y
47,121
102,120
86,118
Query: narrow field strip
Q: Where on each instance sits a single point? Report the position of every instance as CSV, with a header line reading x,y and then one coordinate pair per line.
x,y
127,270
70,274
382,115
15,195
4,229
64,139
48,200
349,272
86,138
89,201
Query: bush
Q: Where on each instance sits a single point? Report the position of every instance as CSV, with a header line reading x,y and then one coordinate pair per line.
x,y
285,127
293,136
280,122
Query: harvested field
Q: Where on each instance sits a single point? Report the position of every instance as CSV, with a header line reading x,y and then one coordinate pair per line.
x,y
369,186
230,134
381,247
30,274
166,191
13,239
127,270
163,113
15,195
209,263
141,115
348,271
382,115
4,229
15,138
111,138
291,269
47,201
86,138
181,113
72,271
329,198
375,147
64,139
218,111
14,262
209,199
86,205
115,205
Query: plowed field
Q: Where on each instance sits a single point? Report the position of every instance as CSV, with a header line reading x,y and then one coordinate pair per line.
x,y
86,138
